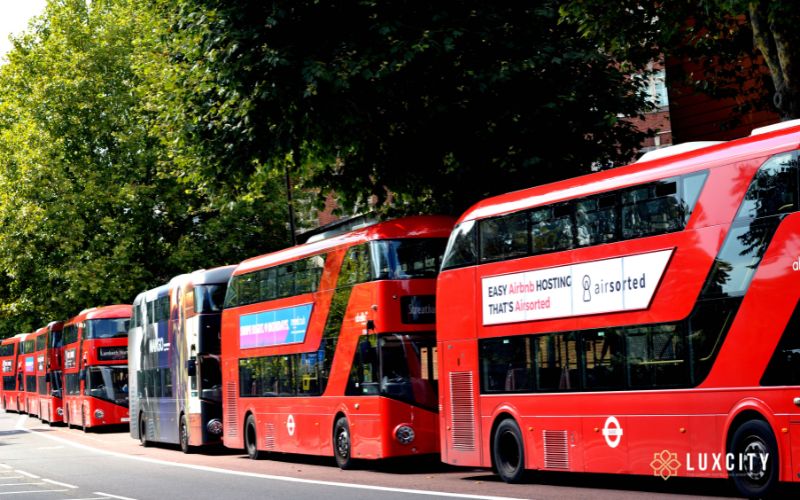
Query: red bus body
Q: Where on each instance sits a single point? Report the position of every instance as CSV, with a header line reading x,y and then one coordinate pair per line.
x,y
95,367
48,373
34,370
26,370
657,345
8,363
313,385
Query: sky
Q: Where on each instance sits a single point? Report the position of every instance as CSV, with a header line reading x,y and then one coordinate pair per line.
x,y
14,17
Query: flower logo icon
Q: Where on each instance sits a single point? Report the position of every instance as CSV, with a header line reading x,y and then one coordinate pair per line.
x,y
665,464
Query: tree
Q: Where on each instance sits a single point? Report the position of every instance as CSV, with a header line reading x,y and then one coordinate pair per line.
x,y
723,37
440,104
93,208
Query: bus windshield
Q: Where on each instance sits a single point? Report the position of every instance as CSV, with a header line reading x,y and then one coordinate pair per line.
x,y
109,383
209,298
407,258
107,328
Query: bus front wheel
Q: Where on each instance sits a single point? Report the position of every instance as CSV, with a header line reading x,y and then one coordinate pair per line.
x,y
342,444
757,477
251,438
508,451
183,433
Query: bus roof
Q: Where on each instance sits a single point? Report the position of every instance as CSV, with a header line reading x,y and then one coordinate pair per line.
x,y
419,226
210,276
12,340
770,141
102,312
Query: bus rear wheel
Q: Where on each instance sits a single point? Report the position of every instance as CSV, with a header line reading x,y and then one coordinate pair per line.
x,y
143,431
342,444
756,478
251,438
508,452
183,433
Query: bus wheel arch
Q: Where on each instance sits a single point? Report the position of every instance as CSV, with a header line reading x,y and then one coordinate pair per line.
x,y
251,436
507,446
342,442
751,432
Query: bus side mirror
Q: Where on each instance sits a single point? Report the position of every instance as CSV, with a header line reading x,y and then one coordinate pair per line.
x,y
191,367
82,375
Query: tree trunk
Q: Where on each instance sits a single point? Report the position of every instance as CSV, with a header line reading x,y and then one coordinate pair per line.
x,y
773,44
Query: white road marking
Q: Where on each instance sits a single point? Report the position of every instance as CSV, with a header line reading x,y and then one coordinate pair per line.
x,y
287,479
31,491
109,495
50,448
4,466
15,484
58,483
27,474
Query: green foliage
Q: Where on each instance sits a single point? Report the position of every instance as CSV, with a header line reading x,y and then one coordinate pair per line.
x,y
440,104
93,209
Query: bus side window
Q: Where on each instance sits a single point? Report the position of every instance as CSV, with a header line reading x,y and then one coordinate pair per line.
x,y
505,237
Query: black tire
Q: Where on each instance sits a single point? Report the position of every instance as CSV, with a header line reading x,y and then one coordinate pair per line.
x,y
342,445
183,436
508,451
755,436
143,431
251,438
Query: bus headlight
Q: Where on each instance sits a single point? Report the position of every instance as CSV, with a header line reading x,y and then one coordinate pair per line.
x,y
60,412
99,414
214,426
404,434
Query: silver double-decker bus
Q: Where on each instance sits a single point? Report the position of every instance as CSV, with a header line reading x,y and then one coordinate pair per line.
x,y
173,360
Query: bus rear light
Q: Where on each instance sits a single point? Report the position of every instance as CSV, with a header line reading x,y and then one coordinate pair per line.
x,y
99,414
214,426
404,434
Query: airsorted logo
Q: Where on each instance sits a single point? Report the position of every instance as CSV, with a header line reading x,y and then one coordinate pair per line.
x,y
587,286
665,464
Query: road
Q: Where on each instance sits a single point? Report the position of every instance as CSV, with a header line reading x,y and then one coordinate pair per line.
x,y
40,462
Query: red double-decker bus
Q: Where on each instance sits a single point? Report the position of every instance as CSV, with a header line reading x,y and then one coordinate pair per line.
x,y
641,320
26,370
48,372
34,354
8,362
328,348
95,367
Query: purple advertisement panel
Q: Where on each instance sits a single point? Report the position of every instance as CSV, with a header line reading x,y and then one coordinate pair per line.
x,y
276,327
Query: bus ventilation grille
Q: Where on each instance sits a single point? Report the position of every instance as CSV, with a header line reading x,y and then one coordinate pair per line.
x,y
556,450
269,436
462,402
231,426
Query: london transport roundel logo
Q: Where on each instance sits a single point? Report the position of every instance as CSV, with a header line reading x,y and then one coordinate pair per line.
x,y
290,425
612,432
